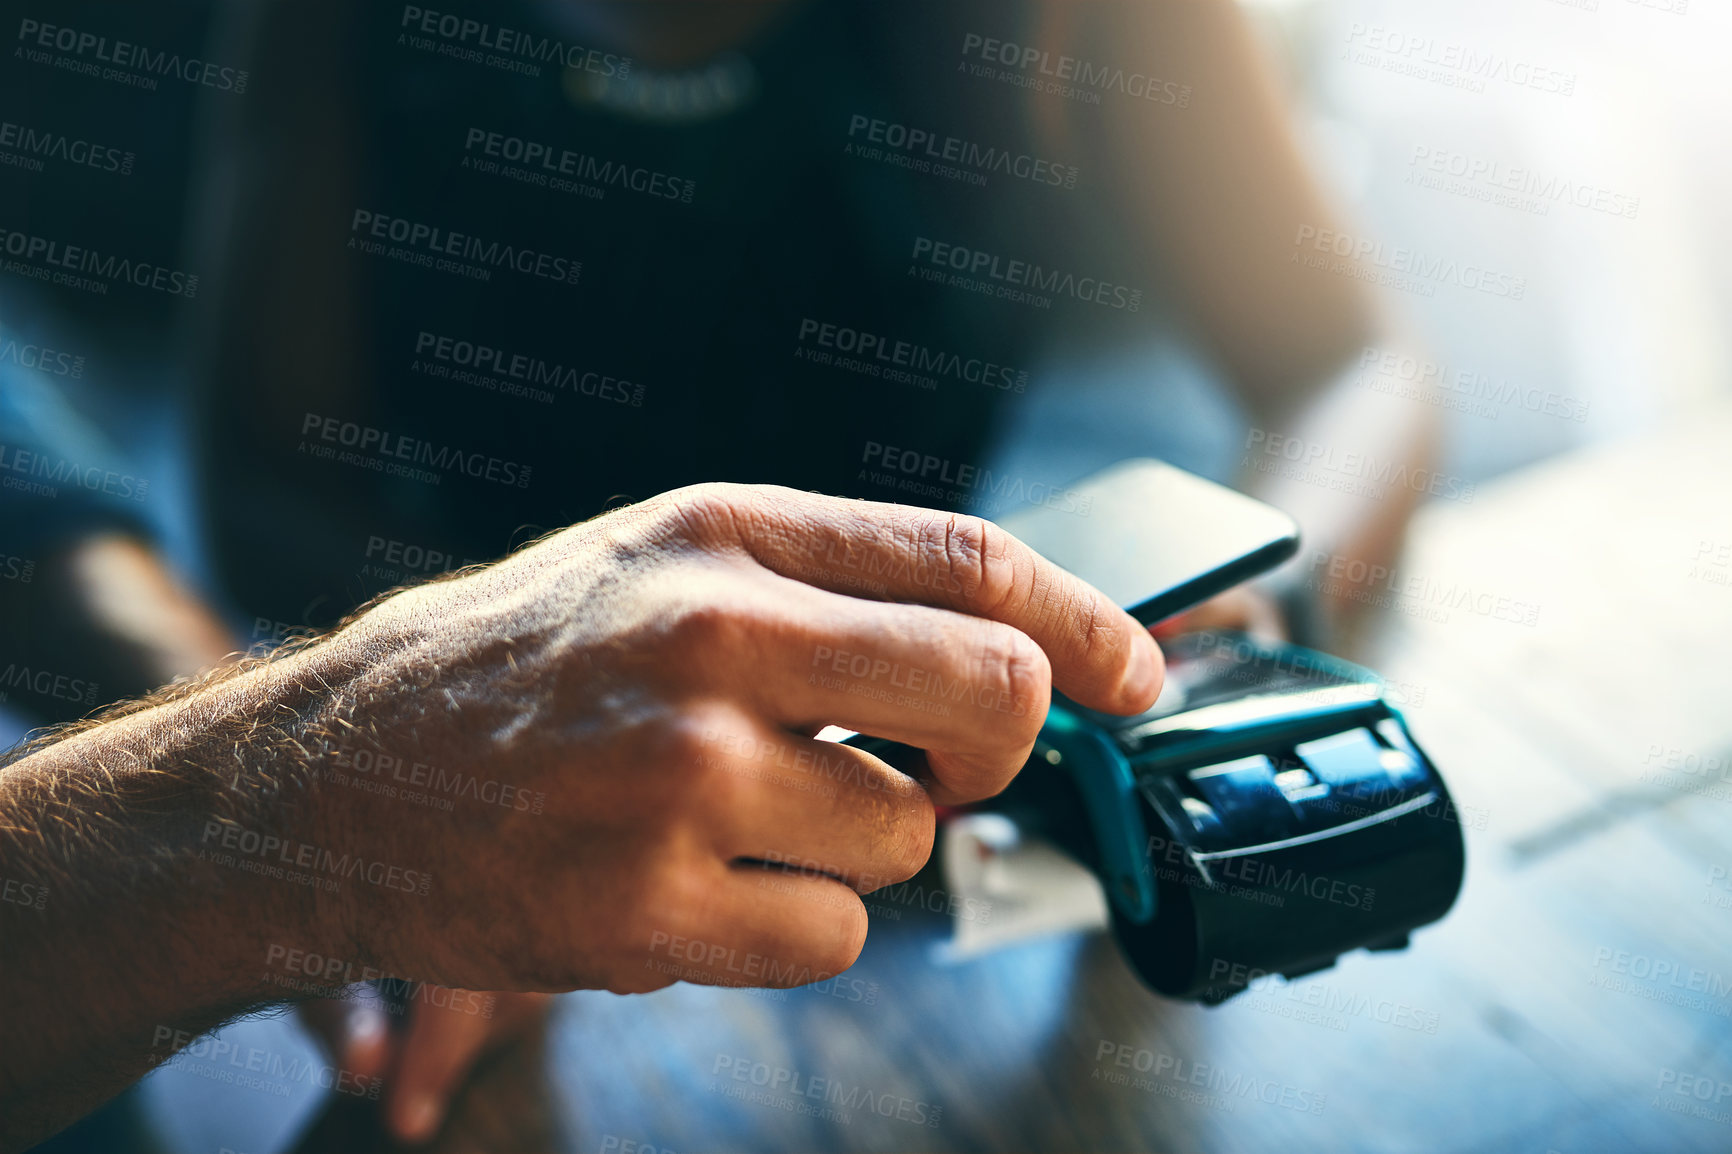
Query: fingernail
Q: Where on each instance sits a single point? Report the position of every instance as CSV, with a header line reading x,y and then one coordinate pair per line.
x,y
420,1118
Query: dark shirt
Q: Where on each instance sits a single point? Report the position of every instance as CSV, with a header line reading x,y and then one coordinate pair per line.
x,y
454,292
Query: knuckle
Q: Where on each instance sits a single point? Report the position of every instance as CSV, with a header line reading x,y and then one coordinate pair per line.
x,y
834,934
977,555
898,814
711,626
704,497
844,945
910,840
971,779
688,739
1104,645
1018,683
698,740
711,510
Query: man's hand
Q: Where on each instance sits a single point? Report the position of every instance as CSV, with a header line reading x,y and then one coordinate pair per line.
x,y
586,766
648,679
730,652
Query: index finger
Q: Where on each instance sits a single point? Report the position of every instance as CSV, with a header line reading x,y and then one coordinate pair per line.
x,y
1101,656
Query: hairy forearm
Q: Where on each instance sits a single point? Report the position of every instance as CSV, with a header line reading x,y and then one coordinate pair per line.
x,y
139,931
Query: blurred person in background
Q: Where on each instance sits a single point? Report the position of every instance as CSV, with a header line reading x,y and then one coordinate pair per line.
x,y
705,206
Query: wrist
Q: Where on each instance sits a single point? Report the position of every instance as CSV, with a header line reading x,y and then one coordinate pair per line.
x,y
347,852
160,831
274,840
152,930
